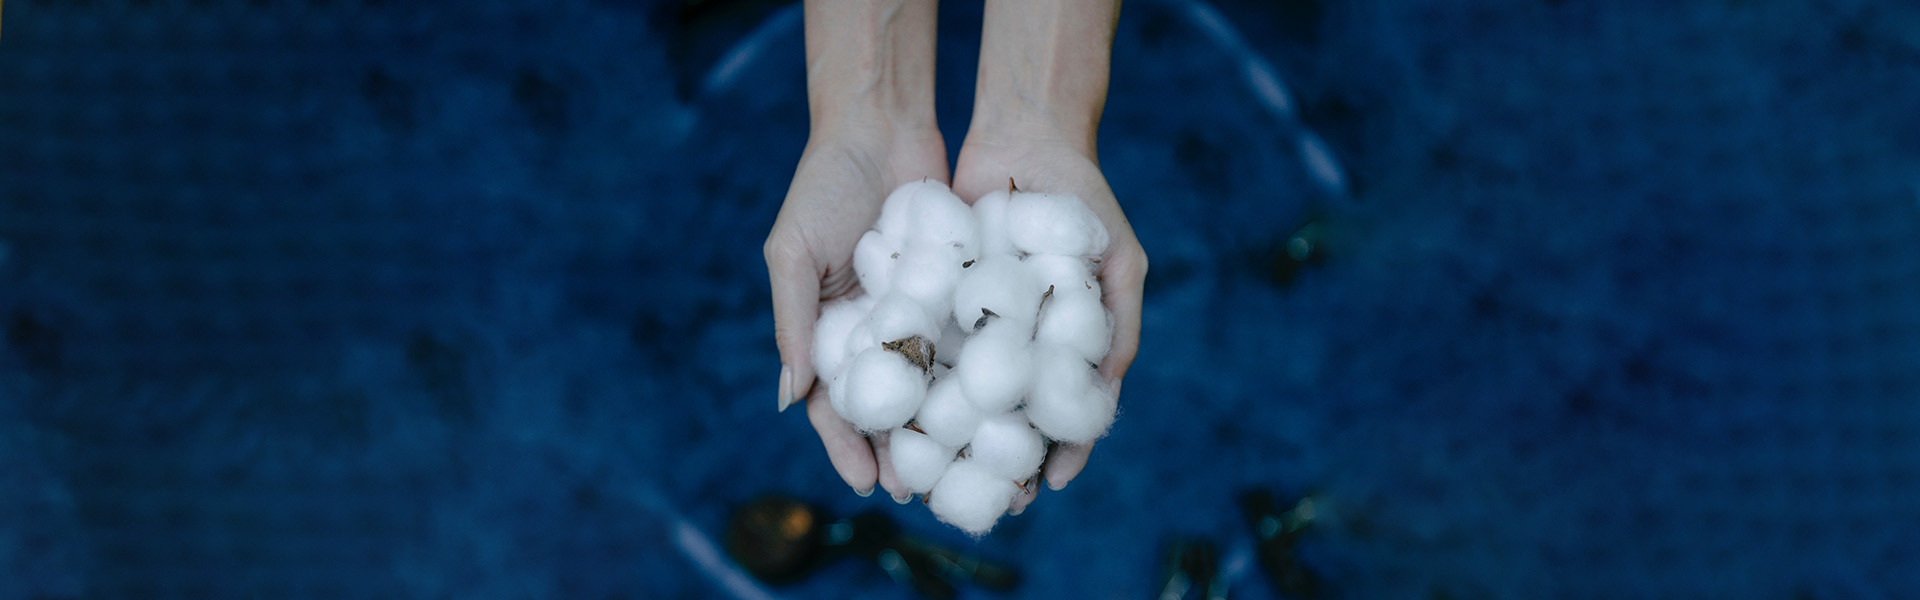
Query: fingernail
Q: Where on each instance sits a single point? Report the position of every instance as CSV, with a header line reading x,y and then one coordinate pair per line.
x,y
863,493
1016,511
1056,485
786,387
903,499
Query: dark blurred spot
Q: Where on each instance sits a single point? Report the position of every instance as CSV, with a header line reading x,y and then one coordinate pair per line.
x,y
390,99
37,343
701,32
1203,161
1300,19
587,497
543,101
443,370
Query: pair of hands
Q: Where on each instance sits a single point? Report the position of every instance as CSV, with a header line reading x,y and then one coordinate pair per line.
x,y
836,196
1041,88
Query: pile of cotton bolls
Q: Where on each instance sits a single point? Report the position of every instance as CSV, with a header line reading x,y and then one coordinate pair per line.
x,y
975,343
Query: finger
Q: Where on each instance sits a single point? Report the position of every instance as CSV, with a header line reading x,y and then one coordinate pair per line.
x,y
796,305
1064,463
1123,277
850,453
1028,493
889,481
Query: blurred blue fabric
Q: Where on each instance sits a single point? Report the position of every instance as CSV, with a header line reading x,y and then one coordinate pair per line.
x,y
361,298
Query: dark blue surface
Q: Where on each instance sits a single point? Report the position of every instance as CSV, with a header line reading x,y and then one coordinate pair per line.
x,y
385,299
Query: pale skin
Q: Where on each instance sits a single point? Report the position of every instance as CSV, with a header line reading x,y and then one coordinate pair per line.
x,y
870,67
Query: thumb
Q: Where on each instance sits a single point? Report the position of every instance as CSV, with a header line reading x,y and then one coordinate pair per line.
x,y
796,305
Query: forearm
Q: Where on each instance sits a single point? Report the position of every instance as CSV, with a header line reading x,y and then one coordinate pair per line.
x,y
871,63
1044,68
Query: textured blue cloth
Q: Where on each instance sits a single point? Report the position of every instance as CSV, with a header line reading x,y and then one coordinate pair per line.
x,y
345,298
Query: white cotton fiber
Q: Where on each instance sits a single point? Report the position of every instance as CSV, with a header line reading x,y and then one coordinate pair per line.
x,y
997,283
996,365
947,416
971,497
942,219
1067,274
897,317
1068,403
990,224
837,321
878,390
1078,322
918,460
927,275
1007,446
874,259
897,212
1054,224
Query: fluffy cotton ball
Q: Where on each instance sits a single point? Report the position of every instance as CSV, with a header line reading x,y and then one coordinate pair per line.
x,y
837,321
1068,403
897,316
996,283
927,274
1054,224
1007,446
971,497
1078,322
897,212
990,224
947,416
1066,274
918,460
996,365
940,218
878,390
874,259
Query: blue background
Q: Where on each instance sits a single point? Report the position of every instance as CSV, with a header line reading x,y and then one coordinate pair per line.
x,y
364,298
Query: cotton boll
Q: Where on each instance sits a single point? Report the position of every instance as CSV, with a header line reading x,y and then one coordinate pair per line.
x,y
878,390
1068,403
947,416
1078,322
1054,224
990,224
971,497
896,316
837,321
918,460
898,211
942,219
874,260
996,366
927,275
999,284
1007,446
1066,274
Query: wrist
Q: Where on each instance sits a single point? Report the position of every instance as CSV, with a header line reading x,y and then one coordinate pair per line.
x,y
1044,70
870,65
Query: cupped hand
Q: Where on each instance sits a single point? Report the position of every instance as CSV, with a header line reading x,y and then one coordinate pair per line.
x,y
844,176
1035,161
